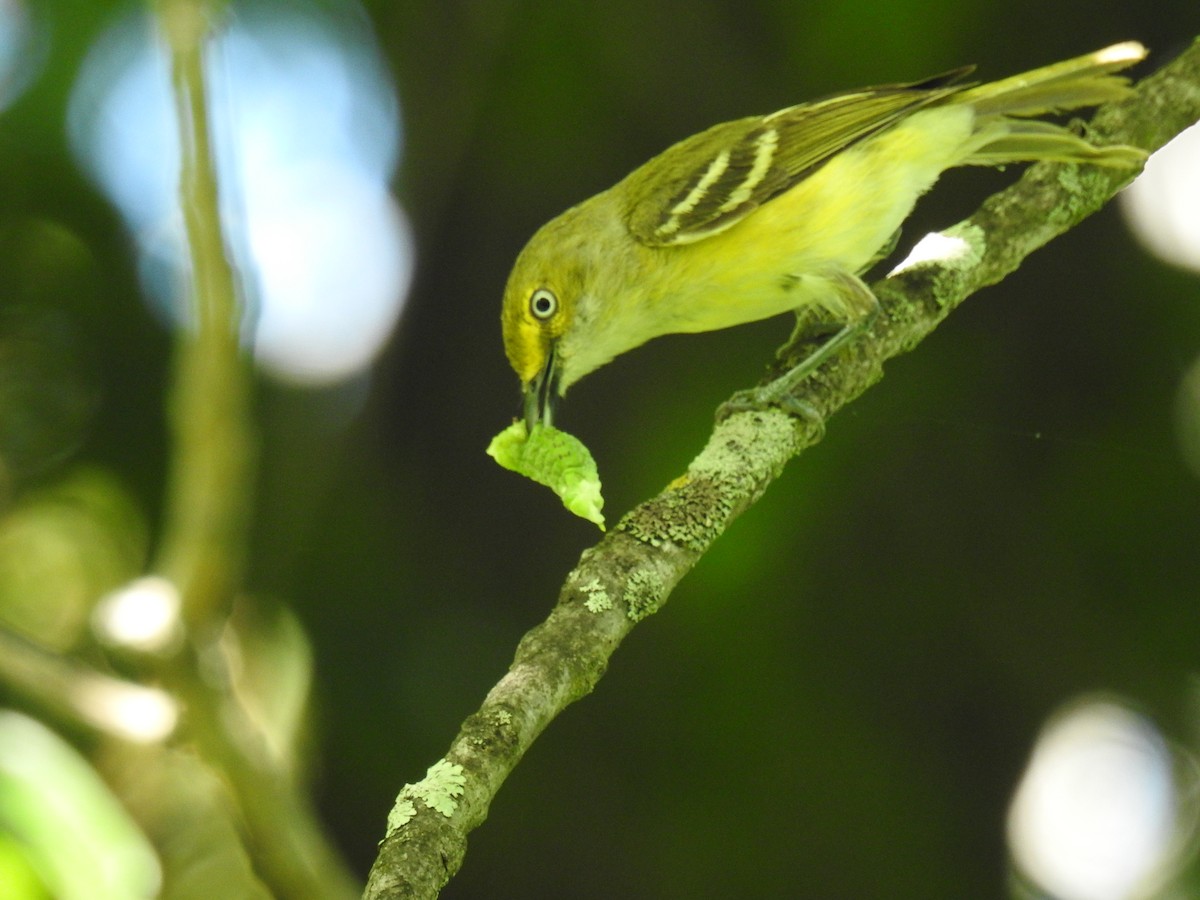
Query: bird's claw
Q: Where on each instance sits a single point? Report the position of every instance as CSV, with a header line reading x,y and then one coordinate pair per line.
x,y
771,396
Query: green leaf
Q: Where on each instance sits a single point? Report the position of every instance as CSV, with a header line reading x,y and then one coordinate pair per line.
x,y
74,831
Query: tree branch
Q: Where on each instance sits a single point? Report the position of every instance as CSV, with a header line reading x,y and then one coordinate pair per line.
x,y
211,475
632,571
209,499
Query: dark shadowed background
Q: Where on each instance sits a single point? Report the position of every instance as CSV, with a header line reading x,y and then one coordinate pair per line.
x,y
840,700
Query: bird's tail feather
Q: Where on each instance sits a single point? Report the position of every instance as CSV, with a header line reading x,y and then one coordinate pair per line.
x,y
1001,108
1073,83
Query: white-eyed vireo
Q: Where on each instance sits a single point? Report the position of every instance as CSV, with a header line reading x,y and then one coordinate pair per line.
x,y
773,213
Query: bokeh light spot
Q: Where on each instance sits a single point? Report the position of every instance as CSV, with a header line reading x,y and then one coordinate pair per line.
x,y
1187,417
21,46
1162,205
143,615
140,714
1094,817
306,135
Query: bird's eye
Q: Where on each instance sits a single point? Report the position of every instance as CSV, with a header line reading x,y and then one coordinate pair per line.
x,y
543,304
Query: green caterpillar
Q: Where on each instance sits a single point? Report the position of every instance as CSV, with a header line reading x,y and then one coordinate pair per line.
x,y
556,459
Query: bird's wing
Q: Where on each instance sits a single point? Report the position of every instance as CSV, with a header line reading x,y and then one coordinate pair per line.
x,y
712,180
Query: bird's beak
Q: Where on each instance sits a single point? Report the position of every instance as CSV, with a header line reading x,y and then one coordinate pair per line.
x,y
541,393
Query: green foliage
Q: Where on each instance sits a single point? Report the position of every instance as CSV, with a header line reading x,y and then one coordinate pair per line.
x,y
64,546
60,817
1004,521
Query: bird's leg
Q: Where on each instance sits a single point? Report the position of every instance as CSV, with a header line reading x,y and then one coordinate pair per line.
x,y
861,307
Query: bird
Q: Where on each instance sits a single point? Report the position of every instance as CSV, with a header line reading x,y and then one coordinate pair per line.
x,y
765,214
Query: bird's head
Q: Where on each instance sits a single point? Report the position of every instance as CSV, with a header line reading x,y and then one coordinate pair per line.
x,y
540,306
572,302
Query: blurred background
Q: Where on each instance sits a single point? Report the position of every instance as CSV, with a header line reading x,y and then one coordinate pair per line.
x,y
960,631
